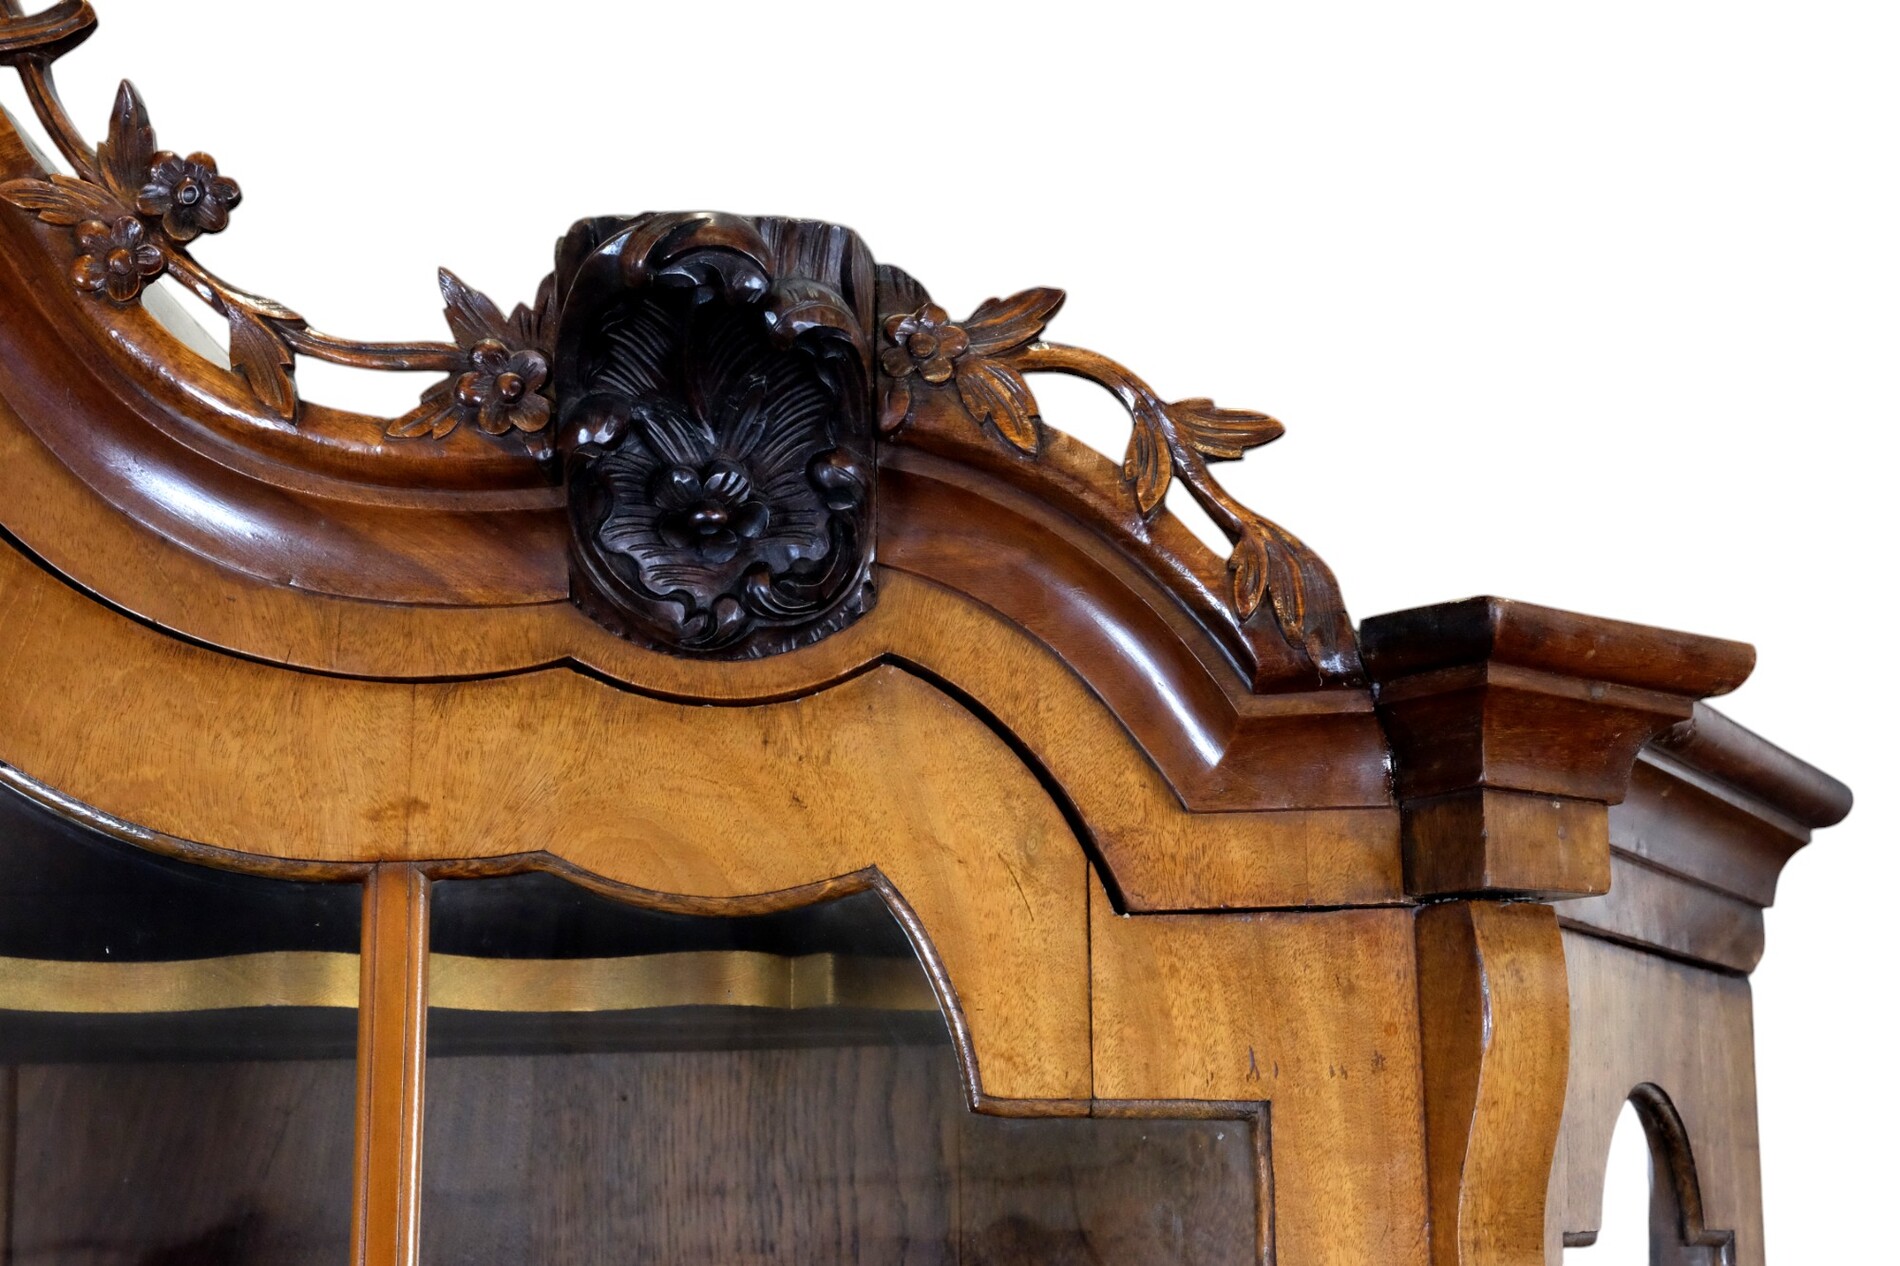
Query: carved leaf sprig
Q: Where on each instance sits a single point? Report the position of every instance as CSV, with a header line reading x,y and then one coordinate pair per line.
x,y
928,346
501,379
1268,566
61,199
1222,435
125,156
1149,466
135,209
1215,433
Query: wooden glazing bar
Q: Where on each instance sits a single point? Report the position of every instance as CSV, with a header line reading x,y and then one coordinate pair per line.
x,y
390,1036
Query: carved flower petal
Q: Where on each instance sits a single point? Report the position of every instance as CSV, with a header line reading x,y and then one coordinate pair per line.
x,y
155,200
531,414
123,285
931,316
721,547
89,273
495,416
168,168
938,369
896,361
952,341
213,215
898,326
149,260
181,223
93,235
225,190
489,356
750,518
533,368
677,487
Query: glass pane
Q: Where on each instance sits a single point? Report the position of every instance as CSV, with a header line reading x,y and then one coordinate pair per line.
x,y
177,1055
611,1084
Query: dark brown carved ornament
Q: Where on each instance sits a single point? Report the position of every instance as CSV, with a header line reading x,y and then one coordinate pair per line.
x,y
710,388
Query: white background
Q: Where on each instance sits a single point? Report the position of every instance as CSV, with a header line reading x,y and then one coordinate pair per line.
x,y
1591,305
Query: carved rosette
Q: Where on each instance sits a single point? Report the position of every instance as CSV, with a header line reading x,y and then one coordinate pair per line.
x,y
715,429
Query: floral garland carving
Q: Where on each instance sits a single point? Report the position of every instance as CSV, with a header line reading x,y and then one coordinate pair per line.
x,y
135,209
986,359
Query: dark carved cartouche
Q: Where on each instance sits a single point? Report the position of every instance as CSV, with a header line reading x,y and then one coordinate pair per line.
x,y
712,385
715,429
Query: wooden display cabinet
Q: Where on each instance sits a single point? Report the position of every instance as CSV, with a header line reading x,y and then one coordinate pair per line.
x,y
721,780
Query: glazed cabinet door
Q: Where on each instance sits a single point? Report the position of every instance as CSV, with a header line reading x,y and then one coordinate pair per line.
x,y
177,1055
371,1065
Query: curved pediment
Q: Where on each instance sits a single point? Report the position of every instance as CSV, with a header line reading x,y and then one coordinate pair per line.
x,y
461,502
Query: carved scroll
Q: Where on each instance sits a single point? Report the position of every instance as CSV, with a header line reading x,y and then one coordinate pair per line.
x,y
712,387
715,429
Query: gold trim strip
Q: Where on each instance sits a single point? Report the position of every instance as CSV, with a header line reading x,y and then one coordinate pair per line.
x,y
284,979
729,978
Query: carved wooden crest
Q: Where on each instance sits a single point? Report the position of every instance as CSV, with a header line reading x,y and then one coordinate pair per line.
x,y
715,428
711,391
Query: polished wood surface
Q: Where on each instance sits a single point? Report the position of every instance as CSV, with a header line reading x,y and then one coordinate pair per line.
x,y
1314,1014
394,1001
730,576
1672,1034
1496,1045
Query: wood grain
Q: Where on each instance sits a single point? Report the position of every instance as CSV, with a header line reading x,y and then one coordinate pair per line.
x,y
389,1066
1640,1020
847,1154
179,1164
1496,1040
1316,1013
883,773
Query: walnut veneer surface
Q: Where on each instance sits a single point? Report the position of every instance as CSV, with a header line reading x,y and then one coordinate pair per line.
x,y
731,577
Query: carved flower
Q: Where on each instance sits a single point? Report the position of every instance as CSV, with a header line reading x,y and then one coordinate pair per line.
x,y
500,390
689,496
499,375
924,342
188,195
974,354
710,508
115,258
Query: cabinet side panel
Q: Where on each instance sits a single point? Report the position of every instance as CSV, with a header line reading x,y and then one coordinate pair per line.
x,y
1637,1021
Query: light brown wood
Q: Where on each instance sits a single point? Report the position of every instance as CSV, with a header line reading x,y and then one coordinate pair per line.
x,y
1486,840
880,774
1640,1020
732,575
1496,1041
391,1048
1161,858
1315,1014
